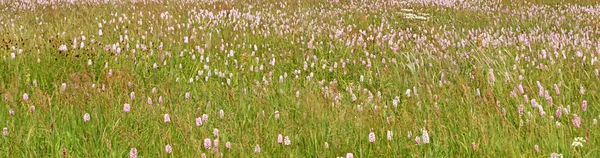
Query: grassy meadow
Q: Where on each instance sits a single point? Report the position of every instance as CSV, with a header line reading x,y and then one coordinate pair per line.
x,y
299,78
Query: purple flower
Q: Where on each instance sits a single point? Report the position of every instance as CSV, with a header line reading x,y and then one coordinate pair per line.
x,y
25,96
5,131
326,145
187,95
149,101
86,117
32,109
11,112
536,148
216,132
474,146
584,105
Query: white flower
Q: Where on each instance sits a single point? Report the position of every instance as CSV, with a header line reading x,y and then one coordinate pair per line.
x,y
556,155
257,148
62,48
579,139
578,142
425,137
287,141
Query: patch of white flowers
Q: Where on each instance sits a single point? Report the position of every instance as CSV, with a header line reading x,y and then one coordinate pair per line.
x,y
578,142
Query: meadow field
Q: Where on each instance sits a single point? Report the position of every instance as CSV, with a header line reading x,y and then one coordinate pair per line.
x,y
299,78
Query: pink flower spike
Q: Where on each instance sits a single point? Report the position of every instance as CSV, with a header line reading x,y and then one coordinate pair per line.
x,y
279,139
168,149
576,121
133,153
372,137
25,96
199,121
86,117
167,118
349,155
126,107
228,145
207,143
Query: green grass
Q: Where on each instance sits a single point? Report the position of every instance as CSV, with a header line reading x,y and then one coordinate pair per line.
x,y
324,109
